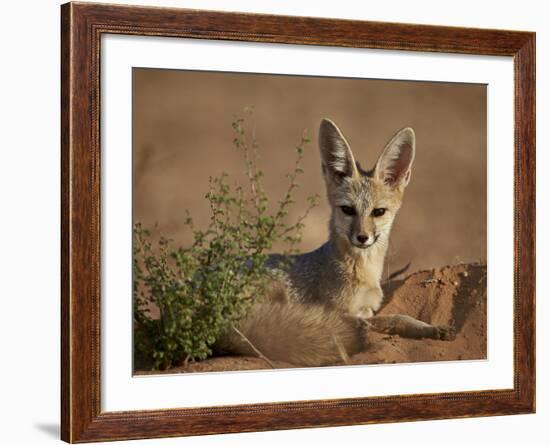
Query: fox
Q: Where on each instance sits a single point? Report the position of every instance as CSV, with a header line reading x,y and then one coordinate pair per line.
x,y
322,303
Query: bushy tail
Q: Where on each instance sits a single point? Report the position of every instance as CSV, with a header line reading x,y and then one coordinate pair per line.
x,y
303,335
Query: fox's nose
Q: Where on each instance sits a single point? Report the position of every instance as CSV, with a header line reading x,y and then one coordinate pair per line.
x,y
362,238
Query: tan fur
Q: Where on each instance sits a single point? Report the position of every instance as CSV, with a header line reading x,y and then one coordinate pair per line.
x,y
296,333
320,305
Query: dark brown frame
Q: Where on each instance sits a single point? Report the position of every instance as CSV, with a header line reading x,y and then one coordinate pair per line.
x,y
81,28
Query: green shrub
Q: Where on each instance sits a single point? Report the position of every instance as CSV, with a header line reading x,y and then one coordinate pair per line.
x,y
205,288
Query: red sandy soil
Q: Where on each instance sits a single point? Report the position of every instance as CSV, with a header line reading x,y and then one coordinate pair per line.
x,y
452,295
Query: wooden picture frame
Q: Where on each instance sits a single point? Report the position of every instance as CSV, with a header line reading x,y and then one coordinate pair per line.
x,y
82,26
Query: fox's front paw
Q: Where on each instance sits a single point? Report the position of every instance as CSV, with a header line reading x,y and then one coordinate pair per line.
x,y
446,333
365,312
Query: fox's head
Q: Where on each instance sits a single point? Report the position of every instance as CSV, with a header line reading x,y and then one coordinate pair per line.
x,y
364,203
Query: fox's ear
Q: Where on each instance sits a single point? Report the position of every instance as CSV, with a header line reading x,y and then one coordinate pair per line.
x,y
394,164
336,156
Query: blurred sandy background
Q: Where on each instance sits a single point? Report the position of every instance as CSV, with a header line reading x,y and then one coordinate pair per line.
x,y
182,135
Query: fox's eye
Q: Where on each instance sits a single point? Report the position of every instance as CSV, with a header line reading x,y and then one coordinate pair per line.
x,y
378,212
348,210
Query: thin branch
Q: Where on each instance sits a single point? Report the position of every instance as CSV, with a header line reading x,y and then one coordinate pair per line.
x,y
341,350
299,221
250,169
398,272
254,348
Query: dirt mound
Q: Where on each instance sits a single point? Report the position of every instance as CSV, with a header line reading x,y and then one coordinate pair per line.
x,y
453,295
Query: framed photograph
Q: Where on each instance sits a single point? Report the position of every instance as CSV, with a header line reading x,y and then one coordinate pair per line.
x,y
274,222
